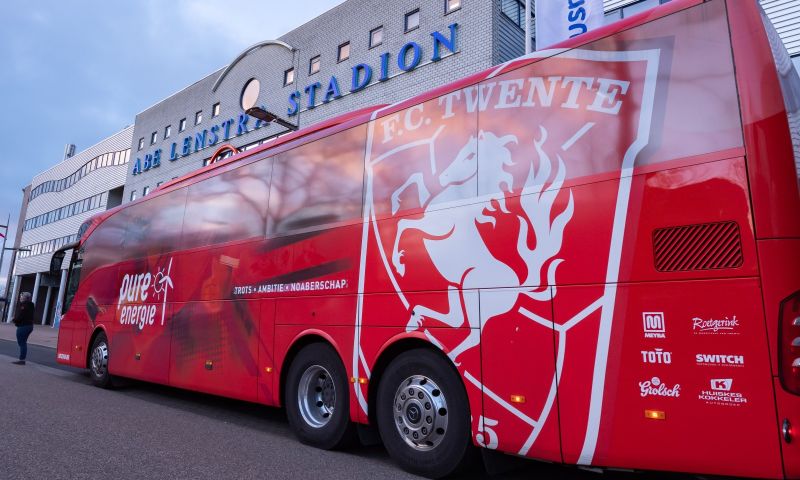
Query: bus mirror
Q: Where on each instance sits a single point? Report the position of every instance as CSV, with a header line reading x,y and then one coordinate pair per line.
x,y
56,261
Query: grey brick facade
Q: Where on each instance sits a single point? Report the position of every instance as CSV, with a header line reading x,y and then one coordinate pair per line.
x,y
351,22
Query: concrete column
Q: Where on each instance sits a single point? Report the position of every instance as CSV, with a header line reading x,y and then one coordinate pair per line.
x,y
14,298
46,304
62,289
35,293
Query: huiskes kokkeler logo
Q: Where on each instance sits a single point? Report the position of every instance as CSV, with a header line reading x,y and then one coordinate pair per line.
x,y
482,204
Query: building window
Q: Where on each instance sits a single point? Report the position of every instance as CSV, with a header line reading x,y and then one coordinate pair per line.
x,y
515,10
198,117
344,51
133,195
314,65
159,183
145,191
215,110
451,6
141,143
153,138
412,21
288,77
167,131
182,125
376,37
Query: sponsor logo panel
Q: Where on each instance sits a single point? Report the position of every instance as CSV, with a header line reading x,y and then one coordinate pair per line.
x,y
715,326
657,356
719,360
654,325
721,392
656,388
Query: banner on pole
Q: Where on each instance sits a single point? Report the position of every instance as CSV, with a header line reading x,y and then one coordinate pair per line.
x,y
558,20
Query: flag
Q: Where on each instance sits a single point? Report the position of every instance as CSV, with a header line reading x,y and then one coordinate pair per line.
x,y
558,20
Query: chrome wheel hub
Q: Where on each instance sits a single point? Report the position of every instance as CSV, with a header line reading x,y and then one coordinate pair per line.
x,y
420,412
316,396
99,361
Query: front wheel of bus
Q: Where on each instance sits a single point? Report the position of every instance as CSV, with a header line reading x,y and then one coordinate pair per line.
x,y
98,362
318,398
423,414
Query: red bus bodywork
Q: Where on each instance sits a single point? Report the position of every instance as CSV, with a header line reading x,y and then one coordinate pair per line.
x,y
603,237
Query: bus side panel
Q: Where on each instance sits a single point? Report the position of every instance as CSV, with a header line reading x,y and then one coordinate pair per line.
x,y
138,350
215,347
683,393
267,360
64,346
771,169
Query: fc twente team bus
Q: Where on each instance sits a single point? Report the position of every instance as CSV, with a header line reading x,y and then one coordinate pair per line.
x,y
588,255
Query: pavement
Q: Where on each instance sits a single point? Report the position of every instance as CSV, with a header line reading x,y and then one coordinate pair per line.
x,y
43,335
56,425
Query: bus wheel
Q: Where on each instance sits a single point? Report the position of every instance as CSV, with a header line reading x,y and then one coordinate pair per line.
x,y
423,414
98,362
318,398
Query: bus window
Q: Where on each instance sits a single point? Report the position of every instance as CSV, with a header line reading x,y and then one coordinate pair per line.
x,y
154,226
318,184
425,157
230,206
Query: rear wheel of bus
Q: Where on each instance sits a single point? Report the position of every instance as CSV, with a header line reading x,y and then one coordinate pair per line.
x,y
318,398
98,362
423,414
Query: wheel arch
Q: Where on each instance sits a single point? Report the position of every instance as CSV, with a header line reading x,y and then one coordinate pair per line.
x,y
97,331
391,350
301,341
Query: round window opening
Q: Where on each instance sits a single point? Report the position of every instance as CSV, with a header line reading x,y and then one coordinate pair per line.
x,y
250,93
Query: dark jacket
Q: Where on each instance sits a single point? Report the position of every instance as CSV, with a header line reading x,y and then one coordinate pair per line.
x,y
24,315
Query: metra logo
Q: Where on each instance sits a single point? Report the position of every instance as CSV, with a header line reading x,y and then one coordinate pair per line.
x,y
655,388
654,325
140,295
658,356
715,325
706,359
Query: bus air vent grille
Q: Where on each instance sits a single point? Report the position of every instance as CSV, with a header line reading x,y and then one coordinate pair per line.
x,y
704,246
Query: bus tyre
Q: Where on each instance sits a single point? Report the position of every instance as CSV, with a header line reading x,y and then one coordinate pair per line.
x,y
318,398
423,414
98,362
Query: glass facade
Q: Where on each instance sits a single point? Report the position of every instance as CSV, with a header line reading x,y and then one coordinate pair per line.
x,y
76,208
106,160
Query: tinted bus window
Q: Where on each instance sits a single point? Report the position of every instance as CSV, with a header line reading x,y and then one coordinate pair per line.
x,y
227,207
154,226
318,184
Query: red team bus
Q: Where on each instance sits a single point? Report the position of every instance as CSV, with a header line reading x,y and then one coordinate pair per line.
x,y
589,255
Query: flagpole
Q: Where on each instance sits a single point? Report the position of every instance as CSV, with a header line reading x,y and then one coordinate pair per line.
x,y
528,46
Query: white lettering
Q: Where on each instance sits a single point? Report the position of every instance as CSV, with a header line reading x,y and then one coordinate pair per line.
x,y
510,96
538,89
606,99
575,90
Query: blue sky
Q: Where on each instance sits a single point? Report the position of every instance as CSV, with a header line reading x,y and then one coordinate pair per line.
x,y
79,71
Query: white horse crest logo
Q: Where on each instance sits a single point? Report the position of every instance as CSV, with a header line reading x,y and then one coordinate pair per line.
x,y
454,243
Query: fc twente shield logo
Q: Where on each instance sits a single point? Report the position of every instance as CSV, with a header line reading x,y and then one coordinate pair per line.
x,y
478,211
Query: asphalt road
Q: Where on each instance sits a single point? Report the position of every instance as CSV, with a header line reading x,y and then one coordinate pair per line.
x,y
55,425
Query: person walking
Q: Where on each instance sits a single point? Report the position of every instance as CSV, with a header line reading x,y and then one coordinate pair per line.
x,y
24,322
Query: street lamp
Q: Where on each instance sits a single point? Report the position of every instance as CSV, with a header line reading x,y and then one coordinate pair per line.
x,y
269,117
249,99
